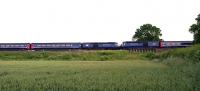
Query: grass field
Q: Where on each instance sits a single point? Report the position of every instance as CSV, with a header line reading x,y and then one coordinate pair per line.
x,y
121,75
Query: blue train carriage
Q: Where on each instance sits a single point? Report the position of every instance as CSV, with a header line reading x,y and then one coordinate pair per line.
x,y
108,45
175,44
14,46
100,45
133,45
55,46
153,44
89,45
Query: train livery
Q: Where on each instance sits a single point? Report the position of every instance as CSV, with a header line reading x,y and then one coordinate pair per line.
x,y
95,45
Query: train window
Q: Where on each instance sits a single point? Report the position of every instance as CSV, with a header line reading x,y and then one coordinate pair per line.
x,y
3,46
87,45
67,45
53,45
178,43
186,43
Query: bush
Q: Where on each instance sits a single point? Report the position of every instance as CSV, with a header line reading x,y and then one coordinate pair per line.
x,y
191,54
151,55
194,56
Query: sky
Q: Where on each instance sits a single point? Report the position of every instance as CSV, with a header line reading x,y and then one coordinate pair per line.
x,y
32,21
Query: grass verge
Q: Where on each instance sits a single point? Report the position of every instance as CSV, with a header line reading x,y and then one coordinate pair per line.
x,y
70,55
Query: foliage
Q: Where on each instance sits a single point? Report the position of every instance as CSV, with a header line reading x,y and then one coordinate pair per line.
x,y
124,75
191,54
147,32
195,29
187,60
150,55
69,55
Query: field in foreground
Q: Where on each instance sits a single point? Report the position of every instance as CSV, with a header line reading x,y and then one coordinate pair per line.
x,y
94,76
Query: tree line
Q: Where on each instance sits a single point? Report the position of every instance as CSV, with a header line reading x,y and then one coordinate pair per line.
x,y
148,32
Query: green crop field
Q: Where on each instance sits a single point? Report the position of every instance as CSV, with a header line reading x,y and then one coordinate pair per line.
x,y
173,70
132,75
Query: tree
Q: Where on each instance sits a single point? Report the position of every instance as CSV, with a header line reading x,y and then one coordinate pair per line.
x,y
195,29
147,32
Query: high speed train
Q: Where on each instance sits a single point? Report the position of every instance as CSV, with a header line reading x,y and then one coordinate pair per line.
x,y
94,45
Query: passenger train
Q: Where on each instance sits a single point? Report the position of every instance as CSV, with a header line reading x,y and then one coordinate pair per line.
x,y
95,45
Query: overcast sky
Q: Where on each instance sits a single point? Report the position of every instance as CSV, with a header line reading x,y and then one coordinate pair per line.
x,y
93,20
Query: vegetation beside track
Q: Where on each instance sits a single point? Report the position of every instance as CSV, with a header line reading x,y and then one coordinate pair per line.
x,y
69,55
187,60
190,54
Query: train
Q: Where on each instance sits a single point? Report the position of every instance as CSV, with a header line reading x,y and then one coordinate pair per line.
x,y
126,45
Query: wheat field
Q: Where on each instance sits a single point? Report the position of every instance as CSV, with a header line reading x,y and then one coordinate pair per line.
x,y
129,75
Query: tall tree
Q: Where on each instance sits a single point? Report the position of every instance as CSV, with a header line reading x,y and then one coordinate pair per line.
x,y
195,29
147,32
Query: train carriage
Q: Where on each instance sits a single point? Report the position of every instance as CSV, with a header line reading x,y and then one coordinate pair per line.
x,y
100,45
55,46
175,44
132,44
14,46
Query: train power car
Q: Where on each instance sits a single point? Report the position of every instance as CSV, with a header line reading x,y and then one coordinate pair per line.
x,y
100,45
14,46
175,44
132,44
55,46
